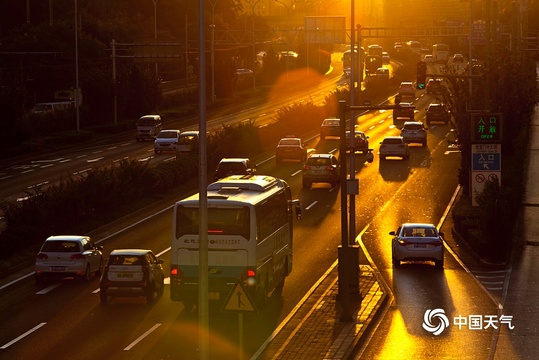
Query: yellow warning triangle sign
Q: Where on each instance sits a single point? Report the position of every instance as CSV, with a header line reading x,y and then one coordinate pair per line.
x,y
238,300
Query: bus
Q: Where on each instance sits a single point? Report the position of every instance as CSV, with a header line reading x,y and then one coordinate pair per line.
x,y
440,53
414,46
250,233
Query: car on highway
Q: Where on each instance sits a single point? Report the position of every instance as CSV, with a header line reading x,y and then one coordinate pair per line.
x,y
458,59
385,57
321,168
234,166
414,132
361,142
290,148
166,140
394,146
417,242
132,272
428,59
437,112
148,126
330,127
434,86
404,110
188,142
407,88
64,256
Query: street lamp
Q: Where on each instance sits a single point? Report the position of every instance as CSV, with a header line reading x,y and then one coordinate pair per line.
x,y
155,26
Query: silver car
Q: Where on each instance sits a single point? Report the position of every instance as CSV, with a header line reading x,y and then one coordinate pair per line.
x,y
166,140
68,256
417,242
394,146
132,272
414,132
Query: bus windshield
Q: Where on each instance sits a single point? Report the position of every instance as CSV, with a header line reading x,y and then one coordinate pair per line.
x,y
221,221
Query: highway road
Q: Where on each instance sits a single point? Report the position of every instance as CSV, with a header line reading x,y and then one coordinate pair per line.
x,y
65,320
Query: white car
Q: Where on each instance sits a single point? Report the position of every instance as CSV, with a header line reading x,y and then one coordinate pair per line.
x,y
166,140
417,242
132,272
394,146
407,88
414,132
68,256
428,59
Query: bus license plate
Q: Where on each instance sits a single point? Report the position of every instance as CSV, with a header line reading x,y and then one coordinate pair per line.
x,y
213,295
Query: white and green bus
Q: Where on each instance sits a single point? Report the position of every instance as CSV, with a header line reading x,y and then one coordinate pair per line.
x,y
250,231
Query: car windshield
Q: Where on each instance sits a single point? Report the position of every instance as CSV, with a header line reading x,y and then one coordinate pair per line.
x,y
61,246
146,122
167,134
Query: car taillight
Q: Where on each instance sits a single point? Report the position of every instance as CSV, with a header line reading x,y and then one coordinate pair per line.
x,y
249,277
404,242
436,242
42,256
330,168
77,257
175,272
305,167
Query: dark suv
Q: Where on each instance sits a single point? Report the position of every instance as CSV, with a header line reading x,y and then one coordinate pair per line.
x,y
132,272
234,166
437,112
321,168
291,148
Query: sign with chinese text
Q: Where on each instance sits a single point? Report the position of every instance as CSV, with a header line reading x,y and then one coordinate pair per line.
x,y
487,127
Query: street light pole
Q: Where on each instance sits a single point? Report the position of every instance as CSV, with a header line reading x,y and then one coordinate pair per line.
x,y
155,26
212,60
77,92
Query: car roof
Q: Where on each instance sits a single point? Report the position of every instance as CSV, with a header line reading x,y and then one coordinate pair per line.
x,y
169,130
393,137
413,123
223,160
130,252
405,104
66,237
321,156
418,225
190,133
407,83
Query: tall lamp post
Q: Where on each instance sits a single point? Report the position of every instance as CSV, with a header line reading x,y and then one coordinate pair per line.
x,y
77,92
212,60
253,3
155,26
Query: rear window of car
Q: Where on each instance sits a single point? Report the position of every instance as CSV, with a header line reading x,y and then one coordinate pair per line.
x,y
61,246
330,123
413,127
126,260
231,166
392,141
318,162
289,142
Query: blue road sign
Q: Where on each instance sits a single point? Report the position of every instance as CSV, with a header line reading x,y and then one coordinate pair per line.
x,y
486,162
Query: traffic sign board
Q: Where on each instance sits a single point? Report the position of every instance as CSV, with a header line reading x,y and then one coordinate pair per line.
x,y
238,300
487,127
486,162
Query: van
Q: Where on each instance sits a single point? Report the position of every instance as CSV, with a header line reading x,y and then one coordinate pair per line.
x,y
52,107
148,127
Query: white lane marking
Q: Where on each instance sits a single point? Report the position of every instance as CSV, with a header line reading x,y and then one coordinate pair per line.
x,y
296,173
82,171
118,160
142,336
5,346
81,156
95,160
6,177
311,205
112,148
46,166
64,161
48,289
27,171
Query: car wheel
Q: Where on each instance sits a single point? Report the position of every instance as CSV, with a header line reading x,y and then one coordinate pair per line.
x,y
278,160
39,278
150,289
439,264
161,288
103,296
424,143
87,274
382,157
322,137
306,184
99,270
395,261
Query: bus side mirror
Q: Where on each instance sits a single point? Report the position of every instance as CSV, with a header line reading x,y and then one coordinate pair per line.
x,y
297,207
